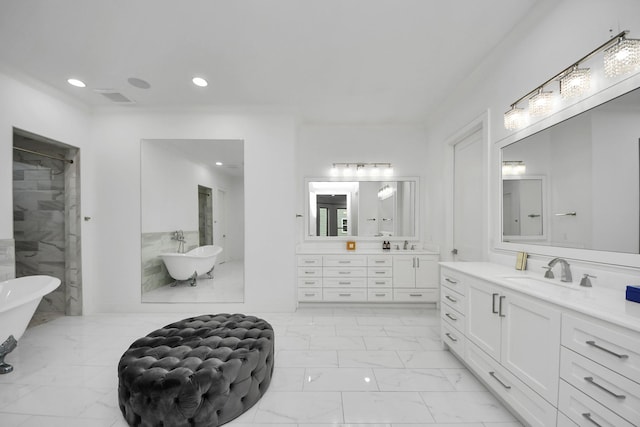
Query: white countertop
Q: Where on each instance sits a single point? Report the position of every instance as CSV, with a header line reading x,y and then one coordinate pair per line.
x,y
606,304
311,251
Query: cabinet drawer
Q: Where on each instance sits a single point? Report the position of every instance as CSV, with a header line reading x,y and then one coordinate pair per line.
x,y
379,282
357,294
347,282
309,271
453,299
585,411
380,272
455,340
453,281
453,318
310,260
612,346
382,294
310,294
344,271
304,282
344,261
614,391
379,261
415,295
528,404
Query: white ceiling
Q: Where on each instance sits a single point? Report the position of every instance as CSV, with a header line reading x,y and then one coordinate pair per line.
x,y
325,60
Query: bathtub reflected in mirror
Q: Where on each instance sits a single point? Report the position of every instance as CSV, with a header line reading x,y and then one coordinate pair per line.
x,y
192,221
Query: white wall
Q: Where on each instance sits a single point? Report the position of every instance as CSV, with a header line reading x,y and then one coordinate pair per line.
x,y
536,50
319,146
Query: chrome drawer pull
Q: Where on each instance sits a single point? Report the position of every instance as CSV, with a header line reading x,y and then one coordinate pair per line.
x,y
344,262
619,356
344,272
344,295
617,396
381,295
451,337
493,374
344,283
309,283
493,303
415,295
454,318
309,272
587,415
309,262
379,261
380,272
379,283
453,282
502,297
450,298
309,295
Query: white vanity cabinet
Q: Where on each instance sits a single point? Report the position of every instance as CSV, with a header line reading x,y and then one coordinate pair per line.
x,y
521,333
340,277
600,372
415,277
557,357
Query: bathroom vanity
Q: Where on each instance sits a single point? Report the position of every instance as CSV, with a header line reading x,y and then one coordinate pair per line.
x,y
557,354
368,276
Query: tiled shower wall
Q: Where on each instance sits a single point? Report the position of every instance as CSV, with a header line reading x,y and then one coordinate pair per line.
x,y
7,259
46,227
154,273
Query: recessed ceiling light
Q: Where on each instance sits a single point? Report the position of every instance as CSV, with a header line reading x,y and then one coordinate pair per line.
x,y
218,163
76,83
199,81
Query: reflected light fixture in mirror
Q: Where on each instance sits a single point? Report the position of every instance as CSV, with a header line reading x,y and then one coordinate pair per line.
x,y
513,167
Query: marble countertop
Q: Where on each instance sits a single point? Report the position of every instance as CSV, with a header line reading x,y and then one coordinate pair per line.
x,y
603,303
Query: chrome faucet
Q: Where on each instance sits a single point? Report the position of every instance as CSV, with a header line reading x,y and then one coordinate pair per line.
x,y
565,272
406,245
179,236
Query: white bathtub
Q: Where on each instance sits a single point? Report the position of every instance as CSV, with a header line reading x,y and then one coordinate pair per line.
x,y
197,261
19,299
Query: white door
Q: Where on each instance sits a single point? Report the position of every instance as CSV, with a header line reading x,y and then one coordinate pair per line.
x,y
220,223
468,199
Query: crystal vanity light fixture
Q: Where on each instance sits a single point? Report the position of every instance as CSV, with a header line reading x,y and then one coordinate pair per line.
x,y
514,118
541,103
361,169
575,82
621,56
513,167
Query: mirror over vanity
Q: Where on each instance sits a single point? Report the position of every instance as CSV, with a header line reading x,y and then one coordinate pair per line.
x,y
576,184
192,199
363,208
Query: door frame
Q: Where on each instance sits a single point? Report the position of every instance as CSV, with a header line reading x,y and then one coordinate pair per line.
x,y
479,124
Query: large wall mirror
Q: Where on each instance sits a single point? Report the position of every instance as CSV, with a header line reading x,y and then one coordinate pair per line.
x,y
192,220
364,209
589,192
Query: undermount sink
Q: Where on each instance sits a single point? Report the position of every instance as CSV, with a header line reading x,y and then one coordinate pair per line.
x,y
534,281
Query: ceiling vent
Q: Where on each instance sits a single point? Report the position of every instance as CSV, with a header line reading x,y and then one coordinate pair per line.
x,y
114,96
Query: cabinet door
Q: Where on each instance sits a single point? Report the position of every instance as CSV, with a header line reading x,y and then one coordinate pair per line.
x,y
427,272
404,272
531,343
483,321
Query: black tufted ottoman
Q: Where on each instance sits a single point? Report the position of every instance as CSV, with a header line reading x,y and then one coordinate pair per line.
x,y
202,371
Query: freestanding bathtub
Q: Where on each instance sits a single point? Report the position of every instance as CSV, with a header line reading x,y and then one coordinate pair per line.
x,y
19,299
196,262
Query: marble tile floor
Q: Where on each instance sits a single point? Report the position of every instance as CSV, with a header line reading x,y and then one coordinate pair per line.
x,y
334,366
227,285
